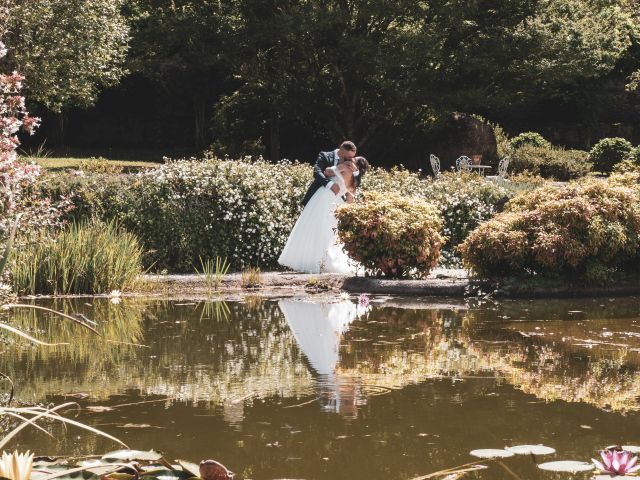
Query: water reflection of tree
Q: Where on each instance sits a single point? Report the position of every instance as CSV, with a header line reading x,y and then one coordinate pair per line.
x,y
192,354
407,346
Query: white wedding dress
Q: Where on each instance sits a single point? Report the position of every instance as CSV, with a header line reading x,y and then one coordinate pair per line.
x,y
312,246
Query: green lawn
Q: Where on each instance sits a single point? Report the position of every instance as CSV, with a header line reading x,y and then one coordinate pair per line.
x,y
59,163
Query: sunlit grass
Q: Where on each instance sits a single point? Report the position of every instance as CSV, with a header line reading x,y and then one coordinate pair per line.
x,y
92,257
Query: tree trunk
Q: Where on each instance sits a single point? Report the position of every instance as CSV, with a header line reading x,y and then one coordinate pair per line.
x,y
274,135
200,127
57,130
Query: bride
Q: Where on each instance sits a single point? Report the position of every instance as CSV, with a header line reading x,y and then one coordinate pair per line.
x,y
312,246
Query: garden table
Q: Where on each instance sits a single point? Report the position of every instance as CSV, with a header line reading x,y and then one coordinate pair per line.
x,y
479,168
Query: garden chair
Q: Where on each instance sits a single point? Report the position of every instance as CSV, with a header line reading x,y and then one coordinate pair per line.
x,y
435,165
463,163
503,165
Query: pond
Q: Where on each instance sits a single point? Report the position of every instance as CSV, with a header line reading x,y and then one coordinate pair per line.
x,y
298,389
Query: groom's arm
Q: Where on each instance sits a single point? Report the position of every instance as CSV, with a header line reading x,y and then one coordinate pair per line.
x,y
318,172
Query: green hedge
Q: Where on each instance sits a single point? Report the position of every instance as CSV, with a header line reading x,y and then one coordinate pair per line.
x,y
608,152
550,162
244,209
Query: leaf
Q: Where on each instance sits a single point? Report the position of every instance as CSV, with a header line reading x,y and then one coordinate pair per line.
x,y
491,453
129,455
166,474
531,450
190,467
571,466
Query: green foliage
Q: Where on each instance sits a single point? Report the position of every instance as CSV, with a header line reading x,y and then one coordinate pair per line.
x,y
68,50
392,235
608,152
214,272
582,230
91,257
550,162
244,210
503,141
533,139
100,165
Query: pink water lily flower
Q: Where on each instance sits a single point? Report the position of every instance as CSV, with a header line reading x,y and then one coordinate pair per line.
x,y
616,462
363,300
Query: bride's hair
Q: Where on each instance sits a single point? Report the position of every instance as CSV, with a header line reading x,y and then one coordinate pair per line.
x,y
362,165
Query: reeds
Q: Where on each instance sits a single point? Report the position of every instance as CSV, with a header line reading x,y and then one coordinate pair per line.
x,y
214,272
92,257
251,277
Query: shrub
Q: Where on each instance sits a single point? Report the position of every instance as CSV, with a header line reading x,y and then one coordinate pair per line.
x,y
550,162
464,200
583,229
608,152
100,165
245,209
634,155
92,257
532,139
392,235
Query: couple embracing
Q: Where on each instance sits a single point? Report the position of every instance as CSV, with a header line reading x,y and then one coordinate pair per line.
x,y
312,246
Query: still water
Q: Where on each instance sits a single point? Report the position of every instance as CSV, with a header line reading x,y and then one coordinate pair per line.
x,y
298,389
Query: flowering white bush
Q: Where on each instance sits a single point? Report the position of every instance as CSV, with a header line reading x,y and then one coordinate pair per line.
x,y
243,210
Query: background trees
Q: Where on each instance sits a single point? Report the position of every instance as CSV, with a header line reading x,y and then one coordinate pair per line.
x,y
69,50
286,78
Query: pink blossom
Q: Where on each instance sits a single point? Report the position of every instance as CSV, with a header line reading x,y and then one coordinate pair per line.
x,y
616,462
363,300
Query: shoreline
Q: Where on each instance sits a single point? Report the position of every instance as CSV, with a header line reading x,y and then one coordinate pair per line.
x,y
442,283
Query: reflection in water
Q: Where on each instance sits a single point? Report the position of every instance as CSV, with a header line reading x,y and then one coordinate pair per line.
x,y
318,329
416,389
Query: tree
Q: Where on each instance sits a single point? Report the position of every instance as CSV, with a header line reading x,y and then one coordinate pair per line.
x,y
180,44
68,49
371,70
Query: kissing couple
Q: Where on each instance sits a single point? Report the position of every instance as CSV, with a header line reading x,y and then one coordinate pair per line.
x,y
312,246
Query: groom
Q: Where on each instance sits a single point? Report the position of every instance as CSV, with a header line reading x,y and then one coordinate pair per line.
x,y
345,153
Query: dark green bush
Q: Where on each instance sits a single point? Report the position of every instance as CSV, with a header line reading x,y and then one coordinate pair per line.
x,y
532,139
550,162
608,152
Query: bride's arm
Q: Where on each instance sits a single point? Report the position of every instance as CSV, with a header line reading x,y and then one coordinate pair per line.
x,y
349,197
329,172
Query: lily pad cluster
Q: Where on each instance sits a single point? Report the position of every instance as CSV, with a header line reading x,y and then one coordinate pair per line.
x,y
617,461
127,465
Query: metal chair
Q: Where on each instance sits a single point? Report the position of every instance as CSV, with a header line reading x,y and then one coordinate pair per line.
x,y
435,165
503,166
463,163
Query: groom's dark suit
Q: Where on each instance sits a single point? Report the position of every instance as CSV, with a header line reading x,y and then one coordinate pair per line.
x,y
325,159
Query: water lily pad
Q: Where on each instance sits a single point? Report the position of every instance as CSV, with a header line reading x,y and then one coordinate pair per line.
x,y
129,455
570,466
491,453
609,477
192,468
166,474
531,450
631,448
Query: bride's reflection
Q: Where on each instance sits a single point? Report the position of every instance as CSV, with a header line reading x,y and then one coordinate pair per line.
x,y
317,328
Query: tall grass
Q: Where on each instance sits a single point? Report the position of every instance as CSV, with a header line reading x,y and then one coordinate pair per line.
x,y
90,257
214,272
